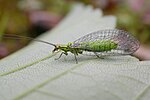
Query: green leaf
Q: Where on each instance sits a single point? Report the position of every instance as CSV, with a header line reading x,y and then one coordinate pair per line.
x,y
33,74
3,23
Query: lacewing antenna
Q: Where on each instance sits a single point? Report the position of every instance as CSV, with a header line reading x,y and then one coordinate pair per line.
x,y
29,38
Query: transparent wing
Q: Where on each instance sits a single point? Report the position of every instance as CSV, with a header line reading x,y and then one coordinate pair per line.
x,y
105,53
126,43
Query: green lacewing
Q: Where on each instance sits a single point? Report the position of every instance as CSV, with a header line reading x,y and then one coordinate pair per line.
x,y
100,43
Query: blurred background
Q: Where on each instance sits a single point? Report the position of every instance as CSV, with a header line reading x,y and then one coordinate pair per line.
x,y
34,17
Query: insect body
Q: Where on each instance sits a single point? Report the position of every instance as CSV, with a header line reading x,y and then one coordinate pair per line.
x,y
100,43
98,46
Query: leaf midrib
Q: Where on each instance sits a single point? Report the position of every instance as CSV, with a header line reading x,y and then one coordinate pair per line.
x,y
26,66
48,80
